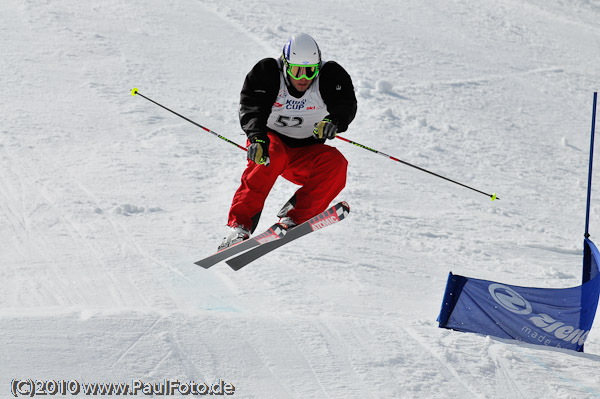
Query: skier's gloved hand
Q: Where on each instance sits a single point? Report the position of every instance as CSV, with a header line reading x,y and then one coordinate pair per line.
x,y
258,150
326,129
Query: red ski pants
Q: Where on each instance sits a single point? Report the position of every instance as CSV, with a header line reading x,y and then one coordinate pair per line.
x,y
320,170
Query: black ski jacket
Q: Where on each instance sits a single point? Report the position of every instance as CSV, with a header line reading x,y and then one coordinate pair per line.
x,y
261,88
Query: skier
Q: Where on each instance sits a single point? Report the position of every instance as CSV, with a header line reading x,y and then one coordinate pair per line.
x,y
289,107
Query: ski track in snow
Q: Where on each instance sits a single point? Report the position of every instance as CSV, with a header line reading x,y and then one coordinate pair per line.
x,y
107,200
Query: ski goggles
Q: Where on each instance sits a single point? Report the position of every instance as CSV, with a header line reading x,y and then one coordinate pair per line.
x,y
300,71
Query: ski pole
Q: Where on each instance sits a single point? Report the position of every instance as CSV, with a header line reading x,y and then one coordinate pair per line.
x,y
492,196
135,91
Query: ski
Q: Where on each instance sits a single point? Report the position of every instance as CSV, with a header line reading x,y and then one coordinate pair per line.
x,y
273,233
330,216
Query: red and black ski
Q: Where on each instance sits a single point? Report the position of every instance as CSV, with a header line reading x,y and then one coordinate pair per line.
x,y
330,216
274,233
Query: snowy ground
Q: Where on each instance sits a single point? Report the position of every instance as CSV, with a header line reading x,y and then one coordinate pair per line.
x,y
107,200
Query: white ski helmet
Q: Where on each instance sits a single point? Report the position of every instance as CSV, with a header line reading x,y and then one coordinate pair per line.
x,y
301,50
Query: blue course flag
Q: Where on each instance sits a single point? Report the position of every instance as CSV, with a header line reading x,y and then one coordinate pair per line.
x,y
560,318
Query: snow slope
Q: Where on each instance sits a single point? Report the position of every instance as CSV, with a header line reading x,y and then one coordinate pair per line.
x,y
106,200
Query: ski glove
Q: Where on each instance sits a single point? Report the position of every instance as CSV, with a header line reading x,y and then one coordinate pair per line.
x,y
258,150
326,129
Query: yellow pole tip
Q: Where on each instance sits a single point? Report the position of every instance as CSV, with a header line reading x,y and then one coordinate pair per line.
x,y
494,196
134,91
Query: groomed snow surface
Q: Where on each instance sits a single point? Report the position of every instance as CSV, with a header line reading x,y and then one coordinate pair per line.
x,y
106,200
